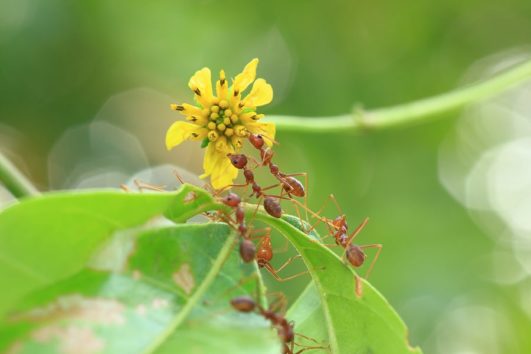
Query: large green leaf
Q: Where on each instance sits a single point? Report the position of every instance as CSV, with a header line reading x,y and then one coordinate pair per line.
x,y
366,324
47,238
85,220
171,296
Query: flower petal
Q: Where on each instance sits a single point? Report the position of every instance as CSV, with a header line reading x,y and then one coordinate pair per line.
x,y
210,160
222,86
268,130
218,167
201,84
224,173
180,131
261,94
244,79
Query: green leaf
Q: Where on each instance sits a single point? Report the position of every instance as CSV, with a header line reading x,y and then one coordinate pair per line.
x,y
48,238
354,325
171,296
69,228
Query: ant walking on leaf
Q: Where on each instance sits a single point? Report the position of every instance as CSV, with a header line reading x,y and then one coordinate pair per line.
x,y
285,329
354,253
248,252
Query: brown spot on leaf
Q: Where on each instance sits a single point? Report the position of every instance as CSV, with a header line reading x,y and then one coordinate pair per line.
x,y
159,303
72,339
15,348
136,274
141,309
190,197
184,278
77,307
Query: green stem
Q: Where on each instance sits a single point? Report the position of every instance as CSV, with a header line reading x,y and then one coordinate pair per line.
x,y
14,181
408,113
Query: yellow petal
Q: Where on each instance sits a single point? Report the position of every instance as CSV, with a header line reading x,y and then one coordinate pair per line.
x,y
261,94
224,173
180,131
244,79
218,166
210,160
201,84
250,117
268,130
222,86
186,109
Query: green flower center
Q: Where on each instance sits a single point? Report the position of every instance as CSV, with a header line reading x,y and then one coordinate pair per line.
x,y
223,121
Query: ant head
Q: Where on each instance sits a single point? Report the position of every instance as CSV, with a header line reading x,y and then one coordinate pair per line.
x,y
274,168
238,160
243,304
355,255
257,140
232,200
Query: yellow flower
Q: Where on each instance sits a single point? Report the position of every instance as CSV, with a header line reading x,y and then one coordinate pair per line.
x,y
222,122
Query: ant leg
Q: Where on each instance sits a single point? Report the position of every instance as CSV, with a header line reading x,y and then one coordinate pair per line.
x,y
178,176
286,263
125,188
264,231
279,303
358,286
141,186
379,247
272,271
219,191
270,187
307,338
308,348
357,231
317,215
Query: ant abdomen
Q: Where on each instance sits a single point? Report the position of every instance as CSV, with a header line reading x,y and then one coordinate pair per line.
x,y
247,250
272,206
355,255
243,304
293,186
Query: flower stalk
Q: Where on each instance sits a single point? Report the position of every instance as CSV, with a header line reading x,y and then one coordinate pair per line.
x,y
14,181
409,113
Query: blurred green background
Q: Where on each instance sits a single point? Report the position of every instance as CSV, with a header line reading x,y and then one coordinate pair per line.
x,y
86,88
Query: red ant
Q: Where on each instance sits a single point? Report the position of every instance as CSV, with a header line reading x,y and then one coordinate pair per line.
x,y
264,255
285,329
247,248
354,254
271,204
248,251
289,183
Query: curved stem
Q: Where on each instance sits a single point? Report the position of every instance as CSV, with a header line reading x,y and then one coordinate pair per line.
x,y
14,181
408,113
